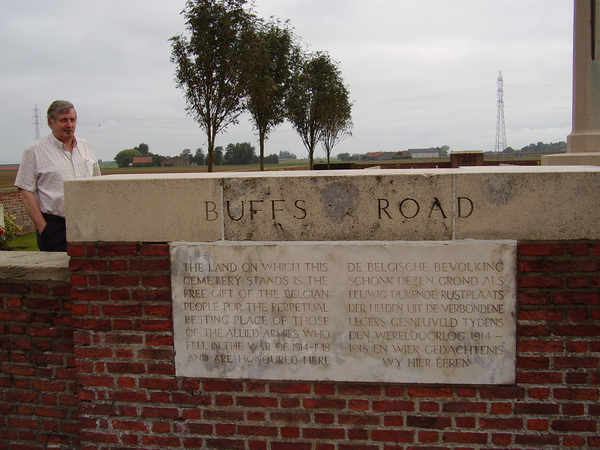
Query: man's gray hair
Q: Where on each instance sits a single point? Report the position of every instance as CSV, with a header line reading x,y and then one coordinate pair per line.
x,y
59,107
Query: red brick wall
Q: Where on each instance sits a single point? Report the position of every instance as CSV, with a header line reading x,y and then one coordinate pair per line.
x,y
129,397
38,396
14,206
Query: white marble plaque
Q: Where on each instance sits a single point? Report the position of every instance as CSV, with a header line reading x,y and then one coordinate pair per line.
x,y
407,312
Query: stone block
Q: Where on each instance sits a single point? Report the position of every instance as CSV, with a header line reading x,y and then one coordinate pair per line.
x,y
34,266
572,159
143,208
343,205
526,203
416,312
508,202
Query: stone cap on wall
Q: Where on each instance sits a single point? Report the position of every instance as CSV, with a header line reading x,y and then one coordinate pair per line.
x,y
572,159
506,202
34,266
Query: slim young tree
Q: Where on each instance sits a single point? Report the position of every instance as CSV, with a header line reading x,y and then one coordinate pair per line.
x,y
268,79
338,123
211,63
311,102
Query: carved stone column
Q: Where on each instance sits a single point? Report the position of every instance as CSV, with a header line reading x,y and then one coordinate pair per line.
x,y
585,136
583,144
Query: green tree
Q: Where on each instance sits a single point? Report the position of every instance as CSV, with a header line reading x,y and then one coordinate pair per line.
x,y
268,79
239,154
125,157
157,159
444,149
211,63
285,154
272,159
143,149
337,123
187,153
218,156
198,157
543,147
309,103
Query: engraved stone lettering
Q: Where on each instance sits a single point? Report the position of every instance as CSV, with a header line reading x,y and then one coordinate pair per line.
x,y
410,312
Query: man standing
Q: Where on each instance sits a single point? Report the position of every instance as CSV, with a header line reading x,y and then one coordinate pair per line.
x,y
46,164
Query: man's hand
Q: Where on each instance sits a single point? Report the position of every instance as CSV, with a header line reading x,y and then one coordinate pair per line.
x,y
33,209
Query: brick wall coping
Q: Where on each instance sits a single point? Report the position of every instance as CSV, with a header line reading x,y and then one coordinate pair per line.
x,y
33,266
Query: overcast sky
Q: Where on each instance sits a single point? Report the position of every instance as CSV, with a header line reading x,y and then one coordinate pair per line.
x,y
421,73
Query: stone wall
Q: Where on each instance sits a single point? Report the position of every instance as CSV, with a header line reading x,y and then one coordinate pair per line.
x,y
129,397
114,333
13,206
39,399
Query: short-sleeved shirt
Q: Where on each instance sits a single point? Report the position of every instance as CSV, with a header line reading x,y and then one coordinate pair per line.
x,y
46,165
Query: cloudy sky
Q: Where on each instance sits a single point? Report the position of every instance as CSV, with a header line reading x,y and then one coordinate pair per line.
x,y
421,73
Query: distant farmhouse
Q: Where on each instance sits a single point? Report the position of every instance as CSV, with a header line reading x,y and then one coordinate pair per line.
x,y
424,152
141,160
380,156
175,161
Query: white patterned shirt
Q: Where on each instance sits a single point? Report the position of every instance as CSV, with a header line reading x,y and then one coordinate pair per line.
x,y
45,167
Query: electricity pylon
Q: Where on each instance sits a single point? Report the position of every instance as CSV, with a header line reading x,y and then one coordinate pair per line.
x,y
500,127
36,122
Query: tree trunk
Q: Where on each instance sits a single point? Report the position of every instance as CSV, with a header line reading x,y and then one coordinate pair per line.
x,y
261,144
211,151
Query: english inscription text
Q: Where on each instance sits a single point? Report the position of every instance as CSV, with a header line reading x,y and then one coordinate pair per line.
x,y
439,312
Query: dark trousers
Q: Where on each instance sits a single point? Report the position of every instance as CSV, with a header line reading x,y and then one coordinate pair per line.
x,y
54,236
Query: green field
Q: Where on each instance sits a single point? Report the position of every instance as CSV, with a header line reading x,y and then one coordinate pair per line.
x,y
25,243
7,178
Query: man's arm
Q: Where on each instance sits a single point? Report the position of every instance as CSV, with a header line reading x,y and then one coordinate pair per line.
x,y
33,209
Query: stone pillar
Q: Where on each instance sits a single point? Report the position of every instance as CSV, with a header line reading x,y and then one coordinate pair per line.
x,y
585,136
583,144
